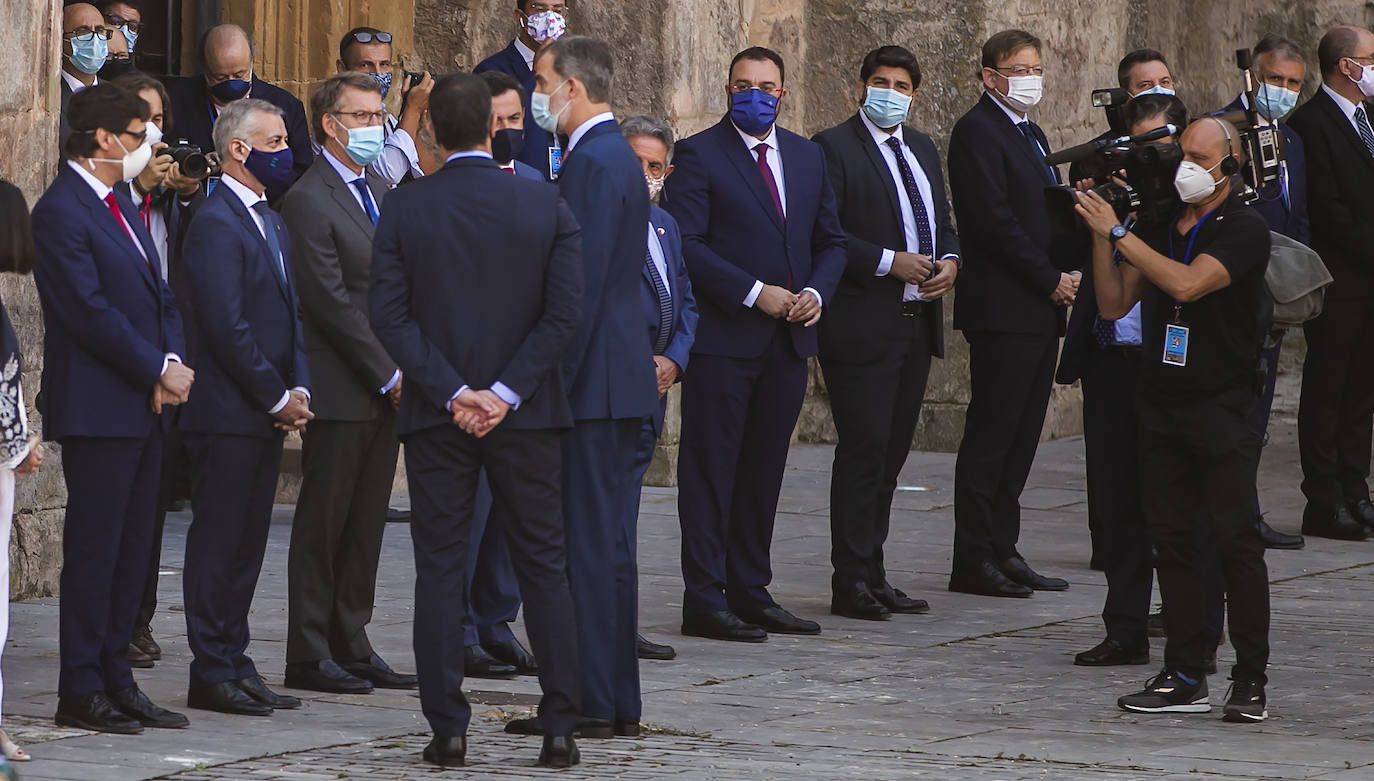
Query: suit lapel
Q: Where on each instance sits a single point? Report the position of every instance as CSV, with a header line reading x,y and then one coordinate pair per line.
x,y
1346,129
342,193
746,164
249,224
1013,133
101,216
879,163
141,233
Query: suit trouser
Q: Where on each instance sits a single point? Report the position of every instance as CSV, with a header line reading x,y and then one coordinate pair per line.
x,y
336,536
233,485
737,420
493,598
1010,377
1259,419
1336,413
106,536
598,487
1196,468
876,406
524,468
171,466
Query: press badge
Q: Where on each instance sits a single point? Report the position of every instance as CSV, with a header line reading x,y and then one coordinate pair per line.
x,y
555,161
1176,345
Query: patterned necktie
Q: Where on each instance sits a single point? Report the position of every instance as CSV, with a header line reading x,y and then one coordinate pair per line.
x,y
766,171
1105,330
269,230
361,185
1026,131
1362,124
913,194
665,306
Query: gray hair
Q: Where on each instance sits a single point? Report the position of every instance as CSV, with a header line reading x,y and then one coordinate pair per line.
x,y
586,59
238,119
329,96
645,125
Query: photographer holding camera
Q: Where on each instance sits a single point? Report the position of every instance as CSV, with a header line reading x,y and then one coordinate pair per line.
x,y
1205,311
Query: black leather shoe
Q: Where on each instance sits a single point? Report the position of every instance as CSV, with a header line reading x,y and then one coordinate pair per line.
x,y
1110,653
1338,525
1277,540
987,581
856,601
559,751
254,687
376,671
625,728
135,704
778,621
95,712
657,651
514,654
1363,510
324,676
447,752
226,697
1018,570
477,663
600,729
722,625
897,601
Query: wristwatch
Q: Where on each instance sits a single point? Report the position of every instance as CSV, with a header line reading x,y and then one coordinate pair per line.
x,y
1118,233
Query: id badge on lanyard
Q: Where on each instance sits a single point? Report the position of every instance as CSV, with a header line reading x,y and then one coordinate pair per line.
x,y
555,162
1176,331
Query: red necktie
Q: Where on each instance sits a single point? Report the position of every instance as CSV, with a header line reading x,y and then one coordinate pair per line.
x,y
119,216
145,210
510,170
767,172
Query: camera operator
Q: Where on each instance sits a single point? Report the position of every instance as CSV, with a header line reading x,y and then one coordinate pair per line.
x,y
1204,314
1141,72
368,50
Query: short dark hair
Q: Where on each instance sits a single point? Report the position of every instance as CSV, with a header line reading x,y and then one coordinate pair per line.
x,y
891,57
1280,46
138,81
1137,57
586,59
760,54
1336,45
16,233
1006,43
460,108
327,96
348,40
500,83
106,5
105,106
1143,107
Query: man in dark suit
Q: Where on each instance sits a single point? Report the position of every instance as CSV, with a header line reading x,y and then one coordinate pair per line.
x,y
111,360
478,301
1011,307
1334,415
226,60
349,456
85,47
765,250
670,310
885,322
541,22
246,335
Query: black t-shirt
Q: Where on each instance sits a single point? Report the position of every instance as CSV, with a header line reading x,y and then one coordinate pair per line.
x,y
1226,328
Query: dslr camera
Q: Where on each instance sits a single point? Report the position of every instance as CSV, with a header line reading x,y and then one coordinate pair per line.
x,y
194,163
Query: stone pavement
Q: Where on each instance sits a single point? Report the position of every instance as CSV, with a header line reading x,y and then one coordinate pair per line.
x,y
979,688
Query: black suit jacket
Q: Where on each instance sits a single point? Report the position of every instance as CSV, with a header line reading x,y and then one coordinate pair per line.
x,y
864,305
64,130
477,279
1340,195
1010,267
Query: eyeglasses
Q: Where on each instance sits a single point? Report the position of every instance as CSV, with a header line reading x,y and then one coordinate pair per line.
x,y
766,88
85,34
370,37
363,117
1021,70
137,137
119,21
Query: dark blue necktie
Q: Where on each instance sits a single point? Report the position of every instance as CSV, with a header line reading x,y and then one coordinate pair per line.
x,y
1035,147
913,194
665,306
269,230
361,184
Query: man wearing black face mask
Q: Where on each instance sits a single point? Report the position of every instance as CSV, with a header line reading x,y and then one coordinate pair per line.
x,y
508,108
540,23
120,60
226,59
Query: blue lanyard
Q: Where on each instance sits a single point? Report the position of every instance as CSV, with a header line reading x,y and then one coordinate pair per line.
x,y
1188,252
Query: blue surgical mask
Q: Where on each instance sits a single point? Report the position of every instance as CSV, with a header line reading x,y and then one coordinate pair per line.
x,y
753,111
539,109
129,36
886,107
89,53
365,143
1274,102
383,80
1156,90
272,169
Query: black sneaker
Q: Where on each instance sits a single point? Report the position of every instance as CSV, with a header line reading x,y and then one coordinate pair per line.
x,y
1245,703
1168,693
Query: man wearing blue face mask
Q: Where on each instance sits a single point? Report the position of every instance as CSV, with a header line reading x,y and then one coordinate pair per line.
x,y
538,24
368,50
124,17
886,322
85,47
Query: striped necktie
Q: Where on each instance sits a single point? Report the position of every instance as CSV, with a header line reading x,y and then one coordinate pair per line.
x,y
1362,124
665,306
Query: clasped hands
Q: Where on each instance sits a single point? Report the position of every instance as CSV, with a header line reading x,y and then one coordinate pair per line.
x,y
779,303
478,411
173,387
295,414
934,278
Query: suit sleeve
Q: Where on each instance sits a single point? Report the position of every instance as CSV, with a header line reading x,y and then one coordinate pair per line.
x,y
66,274
300,368
828,243
864,256
323,295
1352,235
171,317
1302,230
545,344
679,349
977,175
298,138
388,297
215,277
688,199
946,237
588,190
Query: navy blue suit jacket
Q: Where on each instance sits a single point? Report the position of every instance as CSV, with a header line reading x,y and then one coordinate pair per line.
x,y
685,315
732,235
610,361
245,326
109,319
469,290
537,140
528,171
1288,217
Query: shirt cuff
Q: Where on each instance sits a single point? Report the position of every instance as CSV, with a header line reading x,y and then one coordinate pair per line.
x,y
303,390
951,256
285,399
885,263
506,394
459,392
395,378
166,360
813,291
753,294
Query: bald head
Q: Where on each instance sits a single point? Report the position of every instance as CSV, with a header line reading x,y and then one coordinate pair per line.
x,y
1206,141
1341,44
81,15
226,52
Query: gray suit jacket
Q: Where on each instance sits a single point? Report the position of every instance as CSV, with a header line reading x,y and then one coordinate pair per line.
x,y
331,240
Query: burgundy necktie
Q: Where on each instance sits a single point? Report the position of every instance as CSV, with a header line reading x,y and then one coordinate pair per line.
x,y
767,172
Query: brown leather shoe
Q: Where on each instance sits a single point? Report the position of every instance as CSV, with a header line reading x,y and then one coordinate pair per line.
x,y
137,658
143,641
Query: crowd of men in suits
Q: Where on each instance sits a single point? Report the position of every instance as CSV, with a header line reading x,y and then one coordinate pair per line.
x,y
370,280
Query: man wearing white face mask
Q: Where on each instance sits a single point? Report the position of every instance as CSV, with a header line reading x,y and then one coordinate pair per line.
x,y
1205,311
1334,417
538,24
1013,294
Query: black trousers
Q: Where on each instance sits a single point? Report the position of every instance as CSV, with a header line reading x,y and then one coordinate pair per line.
x,y
1109,378
173,464
1336,413
1010,378
336,537
525,472
1197,469
876,406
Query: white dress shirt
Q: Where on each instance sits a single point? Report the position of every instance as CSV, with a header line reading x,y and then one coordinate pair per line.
x,y
582,129
1016,118
75,83
1348,109
525,52
659,257
399,155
